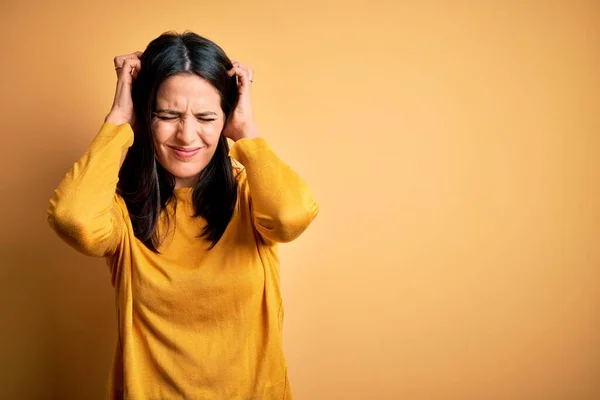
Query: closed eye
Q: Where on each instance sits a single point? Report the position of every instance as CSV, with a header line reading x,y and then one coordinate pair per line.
x,y
165,118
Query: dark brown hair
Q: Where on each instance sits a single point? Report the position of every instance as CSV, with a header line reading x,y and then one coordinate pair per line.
x,y
143,183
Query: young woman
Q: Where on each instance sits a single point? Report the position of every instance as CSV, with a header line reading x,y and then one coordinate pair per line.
x,y
189,228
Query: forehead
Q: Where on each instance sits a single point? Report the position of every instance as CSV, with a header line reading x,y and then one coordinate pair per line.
x,y
183,90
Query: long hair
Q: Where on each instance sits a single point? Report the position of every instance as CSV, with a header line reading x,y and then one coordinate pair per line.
x,y
144,184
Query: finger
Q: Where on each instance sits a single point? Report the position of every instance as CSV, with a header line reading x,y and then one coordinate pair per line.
x,y
243,78
118,60
136,69
250,70
120,65
128,70
235,65
233,72
242,65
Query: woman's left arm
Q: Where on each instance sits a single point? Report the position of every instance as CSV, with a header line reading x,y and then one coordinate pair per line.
x,y
282,203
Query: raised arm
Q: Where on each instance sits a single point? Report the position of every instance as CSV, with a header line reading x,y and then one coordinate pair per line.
x,y
282,203
84,209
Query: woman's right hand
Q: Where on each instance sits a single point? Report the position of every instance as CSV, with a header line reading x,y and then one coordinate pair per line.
x,y
127,67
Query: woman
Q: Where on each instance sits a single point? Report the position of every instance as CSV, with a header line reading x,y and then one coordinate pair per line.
x,y
189,228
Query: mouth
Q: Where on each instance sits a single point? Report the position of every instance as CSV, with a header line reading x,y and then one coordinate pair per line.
x,y
185,153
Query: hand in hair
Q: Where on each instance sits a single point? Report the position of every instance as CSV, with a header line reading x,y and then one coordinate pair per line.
x,y
127,67
241,123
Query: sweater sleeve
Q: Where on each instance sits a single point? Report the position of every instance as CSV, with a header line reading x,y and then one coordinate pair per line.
x,y
84,209
282,203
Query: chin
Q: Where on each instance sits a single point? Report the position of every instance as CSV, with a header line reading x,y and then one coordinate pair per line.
x,y
185,173
184,170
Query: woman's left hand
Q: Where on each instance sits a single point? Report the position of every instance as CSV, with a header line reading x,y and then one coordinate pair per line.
x,y
241,123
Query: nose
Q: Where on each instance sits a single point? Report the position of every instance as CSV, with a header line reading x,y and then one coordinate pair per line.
x,y
187,132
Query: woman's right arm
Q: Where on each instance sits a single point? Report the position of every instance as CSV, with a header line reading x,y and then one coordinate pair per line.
x,y
84,210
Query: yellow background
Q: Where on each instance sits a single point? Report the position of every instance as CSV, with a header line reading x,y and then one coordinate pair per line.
x,y
452,145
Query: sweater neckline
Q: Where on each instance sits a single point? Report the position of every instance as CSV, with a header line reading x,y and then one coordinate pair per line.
x,y
183,193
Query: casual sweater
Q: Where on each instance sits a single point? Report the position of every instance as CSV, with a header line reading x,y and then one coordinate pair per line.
x,y
193,322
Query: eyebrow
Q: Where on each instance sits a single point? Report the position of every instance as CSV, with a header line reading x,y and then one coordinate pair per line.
x,y
173,112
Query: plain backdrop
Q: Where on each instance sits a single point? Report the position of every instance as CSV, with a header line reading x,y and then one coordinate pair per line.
x,y
453,148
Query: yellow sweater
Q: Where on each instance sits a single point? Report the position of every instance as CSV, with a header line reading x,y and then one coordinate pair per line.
x,y
193,323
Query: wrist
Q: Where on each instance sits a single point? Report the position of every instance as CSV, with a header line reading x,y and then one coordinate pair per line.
x,y
250,132
115,118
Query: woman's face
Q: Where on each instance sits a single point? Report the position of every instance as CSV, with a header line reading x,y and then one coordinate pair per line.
x,y
186,126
